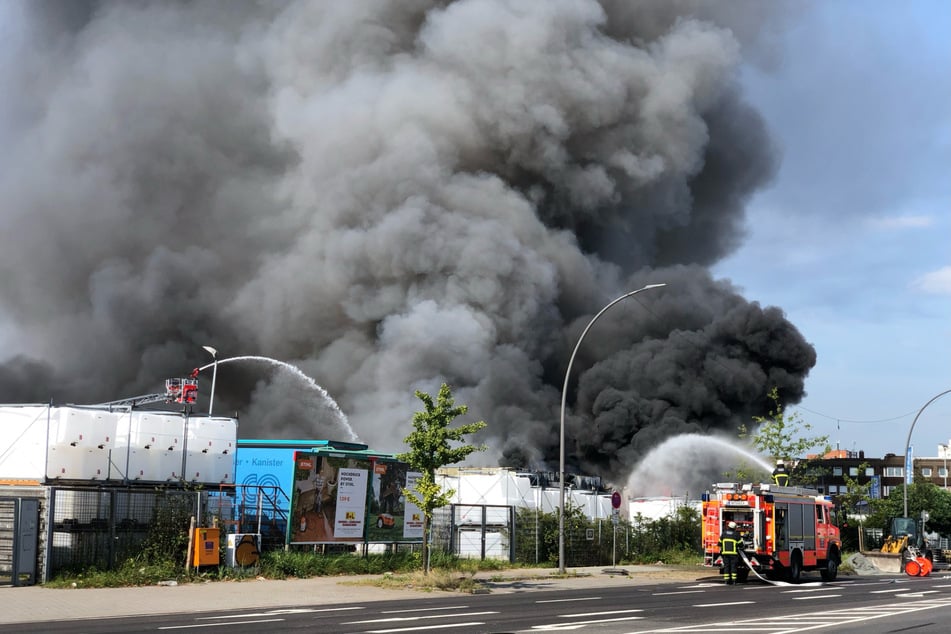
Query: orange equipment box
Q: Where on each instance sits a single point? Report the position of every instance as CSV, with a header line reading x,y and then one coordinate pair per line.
x,y
207,542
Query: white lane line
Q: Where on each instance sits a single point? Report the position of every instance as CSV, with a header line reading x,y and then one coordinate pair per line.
x,y
228,624
394,619
575,616
717,605
805,590
250,615
824,596
568,600
448,607
422,627
575,625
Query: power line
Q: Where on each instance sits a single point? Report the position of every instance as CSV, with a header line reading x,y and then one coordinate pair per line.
x,y
848,420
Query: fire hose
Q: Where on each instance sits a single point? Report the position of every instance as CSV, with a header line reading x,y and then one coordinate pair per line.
x,y
770,581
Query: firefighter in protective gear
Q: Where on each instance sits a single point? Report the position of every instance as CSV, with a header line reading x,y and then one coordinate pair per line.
x,y
730,544
780,475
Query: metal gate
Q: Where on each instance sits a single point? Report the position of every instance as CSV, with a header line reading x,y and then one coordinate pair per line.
x,y
482,531
19,538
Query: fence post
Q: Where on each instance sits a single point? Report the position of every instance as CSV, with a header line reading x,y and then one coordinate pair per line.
x,y
112,529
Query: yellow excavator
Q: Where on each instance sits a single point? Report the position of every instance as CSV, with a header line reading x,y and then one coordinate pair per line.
x,y
895,544
906,539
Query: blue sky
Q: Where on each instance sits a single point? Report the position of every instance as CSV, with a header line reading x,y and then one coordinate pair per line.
x,y
852,240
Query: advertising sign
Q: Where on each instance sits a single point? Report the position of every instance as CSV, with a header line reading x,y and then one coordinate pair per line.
x,y
351,503
413,527
909,467
328,502
392,517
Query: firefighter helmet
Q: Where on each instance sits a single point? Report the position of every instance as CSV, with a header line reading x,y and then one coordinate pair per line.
x,y
732,524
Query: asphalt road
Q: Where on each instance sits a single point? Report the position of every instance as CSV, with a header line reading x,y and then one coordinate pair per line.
x,y
851,604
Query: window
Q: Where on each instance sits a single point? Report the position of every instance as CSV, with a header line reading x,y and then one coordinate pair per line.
x,y
943,472
833,489
926,472
853,471
837,471
894,472
869,471
886,491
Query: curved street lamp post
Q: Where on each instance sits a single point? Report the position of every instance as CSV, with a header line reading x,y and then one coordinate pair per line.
x,y
564,392
911,464
214,376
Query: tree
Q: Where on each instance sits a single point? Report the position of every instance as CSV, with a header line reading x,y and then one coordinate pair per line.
x,y
783,437
922,496
430,449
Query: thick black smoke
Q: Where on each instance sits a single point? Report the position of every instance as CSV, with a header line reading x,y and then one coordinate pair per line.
x,y
390,195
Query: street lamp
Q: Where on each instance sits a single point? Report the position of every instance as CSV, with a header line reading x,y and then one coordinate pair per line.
x,y
564,393
910,464
214,375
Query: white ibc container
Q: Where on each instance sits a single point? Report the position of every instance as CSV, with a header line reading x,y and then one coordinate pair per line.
x,y
80,443
155,446
210,455
23,442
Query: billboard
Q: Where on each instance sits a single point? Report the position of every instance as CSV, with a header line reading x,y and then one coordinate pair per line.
x,y
328,503
393,518
341,498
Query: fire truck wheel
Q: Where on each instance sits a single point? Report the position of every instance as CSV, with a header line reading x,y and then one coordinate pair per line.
x,y
831,569
795,567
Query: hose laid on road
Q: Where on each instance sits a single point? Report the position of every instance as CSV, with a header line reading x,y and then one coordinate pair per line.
x,y
770,581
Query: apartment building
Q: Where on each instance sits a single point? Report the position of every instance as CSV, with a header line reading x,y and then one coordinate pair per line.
x,y
832,471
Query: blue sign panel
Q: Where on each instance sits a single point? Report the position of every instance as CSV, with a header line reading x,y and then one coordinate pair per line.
x,y
909,468
875,491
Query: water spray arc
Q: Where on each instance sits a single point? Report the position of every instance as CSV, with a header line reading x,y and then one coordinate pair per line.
x,y
341,417
564,393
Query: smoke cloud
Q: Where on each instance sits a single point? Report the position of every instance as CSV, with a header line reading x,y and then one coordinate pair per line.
x,y
391,196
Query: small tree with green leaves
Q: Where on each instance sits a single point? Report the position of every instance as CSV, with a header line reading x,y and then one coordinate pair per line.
x,y
430,449
783,436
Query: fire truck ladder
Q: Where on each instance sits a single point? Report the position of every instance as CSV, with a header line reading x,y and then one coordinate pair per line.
x,y
130,403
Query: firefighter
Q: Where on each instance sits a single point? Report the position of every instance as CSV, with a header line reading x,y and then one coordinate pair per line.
x,y
780,475
730,543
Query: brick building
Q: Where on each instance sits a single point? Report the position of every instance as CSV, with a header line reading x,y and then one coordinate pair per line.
x,y
886,473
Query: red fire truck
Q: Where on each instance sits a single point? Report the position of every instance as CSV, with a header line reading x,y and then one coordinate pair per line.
x,y
785,530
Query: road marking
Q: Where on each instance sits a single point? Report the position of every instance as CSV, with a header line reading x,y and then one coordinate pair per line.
x,y
717,605
574,616
393,619
448,607
824,596
276,612
422,627
574,625
228,624
805,590
567,600
831,619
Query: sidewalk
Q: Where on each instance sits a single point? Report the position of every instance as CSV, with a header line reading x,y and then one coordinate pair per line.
x,y
37,603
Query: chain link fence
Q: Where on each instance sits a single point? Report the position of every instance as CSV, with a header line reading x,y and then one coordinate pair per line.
x,y
530,537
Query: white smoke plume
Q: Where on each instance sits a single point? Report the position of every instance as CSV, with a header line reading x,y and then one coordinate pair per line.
x,y
391,195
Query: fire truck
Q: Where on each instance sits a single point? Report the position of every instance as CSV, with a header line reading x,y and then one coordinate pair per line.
x,y
785,530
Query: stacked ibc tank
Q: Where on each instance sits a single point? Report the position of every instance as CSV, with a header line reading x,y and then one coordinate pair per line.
x,y
44,444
